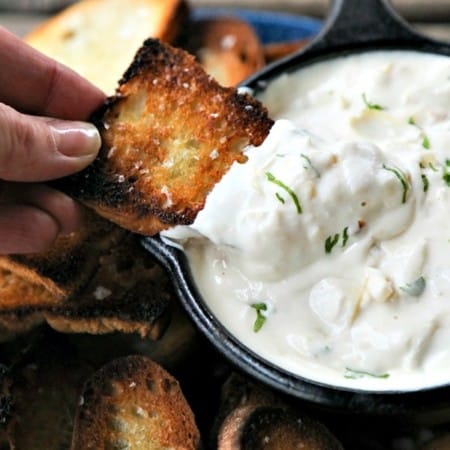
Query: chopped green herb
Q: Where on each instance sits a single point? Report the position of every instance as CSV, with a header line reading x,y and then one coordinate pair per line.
x,y
345,237
310,165
330,242
292,194
416,288
431,166
446,172
280,198
370,105
425,140
354,374
260,317
425,182
402,178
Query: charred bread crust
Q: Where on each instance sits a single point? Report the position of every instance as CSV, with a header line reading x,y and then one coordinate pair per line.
x,y
129,293
132,400
133,312
169,134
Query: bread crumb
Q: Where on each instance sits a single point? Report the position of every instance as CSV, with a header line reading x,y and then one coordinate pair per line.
x,y
228,41
111,152
101,293
166,192
140,412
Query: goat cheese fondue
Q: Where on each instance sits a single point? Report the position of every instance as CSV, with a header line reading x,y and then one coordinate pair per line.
x,y
328,252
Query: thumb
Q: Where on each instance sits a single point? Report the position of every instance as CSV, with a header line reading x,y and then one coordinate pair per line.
x,y
40,149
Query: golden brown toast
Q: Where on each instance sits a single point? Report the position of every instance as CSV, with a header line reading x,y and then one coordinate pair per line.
x,y
98,38
20,304
278,50
228,48
169,135
133,402
128,292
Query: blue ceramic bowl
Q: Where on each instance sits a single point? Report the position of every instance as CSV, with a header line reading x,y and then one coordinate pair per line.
x,y
271,27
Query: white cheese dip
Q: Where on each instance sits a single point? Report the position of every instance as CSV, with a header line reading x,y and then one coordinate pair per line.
x,y
328,251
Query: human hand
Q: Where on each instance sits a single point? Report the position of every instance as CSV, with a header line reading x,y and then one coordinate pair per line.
x,y
41,138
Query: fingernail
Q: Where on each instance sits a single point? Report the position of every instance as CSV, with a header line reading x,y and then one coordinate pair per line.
x,y
76,139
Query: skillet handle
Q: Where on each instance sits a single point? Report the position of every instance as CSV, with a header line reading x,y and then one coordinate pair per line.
x,y
352,23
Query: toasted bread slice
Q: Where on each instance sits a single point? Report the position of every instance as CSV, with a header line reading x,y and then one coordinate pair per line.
x,y
169,135
98,38
272,428
133,402
277,50
128,292
228,48
17,292
252,416
175,349
20,301
67,266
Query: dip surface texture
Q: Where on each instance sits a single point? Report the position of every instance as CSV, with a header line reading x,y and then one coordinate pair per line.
x,y
328,251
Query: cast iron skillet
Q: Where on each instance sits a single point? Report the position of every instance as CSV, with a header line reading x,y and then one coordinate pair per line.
x,y
352,26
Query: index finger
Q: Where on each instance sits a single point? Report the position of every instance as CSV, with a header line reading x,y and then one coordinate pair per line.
x,y
35,84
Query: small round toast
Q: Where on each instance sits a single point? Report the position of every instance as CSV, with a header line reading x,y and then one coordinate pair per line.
x,y
133,402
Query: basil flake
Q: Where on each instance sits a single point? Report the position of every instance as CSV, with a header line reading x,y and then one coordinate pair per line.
x,y
354,374
345,237
371,105
260,317
446,172
330,242
425,183
310,165
402,178
292,194
416,288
